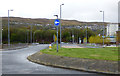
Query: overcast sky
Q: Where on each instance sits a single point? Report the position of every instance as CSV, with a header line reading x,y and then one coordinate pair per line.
x,y
81,10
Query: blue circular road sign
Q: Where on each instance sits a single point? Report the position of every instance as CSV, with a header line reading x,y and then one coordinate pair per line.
x,y
57,22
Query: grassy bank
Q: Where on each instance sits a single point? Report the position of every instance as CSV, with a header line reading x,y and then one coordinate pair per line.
x,y
109,53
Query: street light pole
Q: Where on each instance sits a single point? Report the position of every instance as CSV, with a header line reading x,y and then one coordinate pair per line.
x,y
8,29
60,23
31,34
34,37
1,33
27,36
86,33
103,27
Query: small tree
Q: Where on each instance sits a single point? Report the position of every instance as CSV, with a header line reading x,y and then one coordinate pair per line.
x,y
107,41
91,39
118,37
85,40
98,40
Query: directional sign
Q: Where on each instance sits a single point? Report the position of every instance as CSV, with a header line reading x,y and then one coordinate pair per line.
x,y
57,22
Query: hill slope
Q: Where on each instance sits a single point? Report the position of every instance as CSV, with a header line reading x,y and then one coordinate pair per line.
x,y
44,21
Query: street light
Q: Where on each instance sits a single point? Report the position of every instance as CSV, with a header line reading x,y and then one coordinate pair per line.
x,y
56,16
57,33
9,29
1,33
60,22
103,26
31,34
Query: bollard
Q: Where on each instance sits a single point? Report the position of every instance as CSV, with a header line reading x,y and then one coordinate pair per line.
x,y
50,47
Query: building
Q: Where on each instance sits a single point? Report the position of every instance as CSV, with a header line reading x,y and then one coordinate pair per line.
x,y
111,29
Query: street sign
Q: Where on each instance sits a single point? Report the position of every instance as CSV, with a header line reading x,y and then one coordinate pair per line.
x,y
57,22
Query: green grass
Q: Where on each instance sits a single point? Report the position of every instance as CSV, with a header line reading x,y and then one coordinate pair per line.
x,y
108,53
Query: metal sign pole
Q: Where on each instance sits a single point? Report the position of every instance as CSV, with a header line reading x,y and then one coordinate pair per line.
x,y
57,22
86,33
57,38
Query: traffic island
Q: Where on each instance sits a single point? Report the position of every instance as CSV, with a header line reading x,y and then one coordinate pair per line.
x,y
91,65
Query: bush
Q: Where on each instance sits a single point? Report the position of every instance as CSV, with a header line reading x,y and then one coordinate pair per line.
x,y
98,40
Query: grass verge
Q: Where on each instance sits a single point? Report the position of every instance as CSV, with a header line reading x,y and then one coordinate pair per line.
x,y
108,53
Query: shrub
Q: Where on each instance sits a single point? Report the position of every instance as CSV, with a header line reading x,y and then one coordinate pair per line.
x,y
98,40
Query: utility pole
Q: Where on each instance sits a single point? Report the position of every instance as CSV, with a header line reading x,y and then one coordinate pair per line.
x,y
86,33
1,32
9,28
60,23
103,27
31,34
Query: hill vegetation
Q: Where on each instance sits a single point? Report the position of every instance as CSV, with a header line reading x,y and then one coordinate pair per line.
x,y
44,21
27,30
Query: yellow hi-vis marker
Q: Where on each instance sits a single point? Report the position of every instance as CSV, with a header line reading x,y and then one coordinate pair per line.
x,y
50,47
55,39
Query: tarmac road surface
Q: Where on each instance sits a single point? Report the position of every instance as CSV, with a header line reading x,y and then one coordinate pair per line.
x,y
15,62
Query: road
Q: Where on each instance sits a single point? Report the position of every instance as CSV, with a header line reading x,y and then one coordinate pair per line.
x,y
15,62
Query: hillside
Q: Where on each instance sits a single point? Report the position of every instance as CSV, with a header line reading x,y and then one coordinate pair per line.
x,y
44,21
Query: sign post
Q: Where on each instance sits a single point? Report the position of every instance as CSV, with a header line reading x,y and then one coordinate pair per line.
x,y
57,22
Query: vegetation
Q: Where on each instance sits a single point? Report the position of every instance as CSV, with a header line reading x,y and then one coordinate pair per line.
x,y
118,37
110,53
45,21
98,40
23,34
43,30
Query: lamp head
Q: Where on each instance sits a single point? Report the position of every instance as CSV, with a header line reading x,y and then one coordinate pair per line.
x,y
102,11
56,15
10,10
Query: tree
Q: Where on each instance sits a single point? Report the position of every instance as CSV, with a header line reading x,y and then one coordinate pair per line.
x,y
91,39
118,37
98,40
